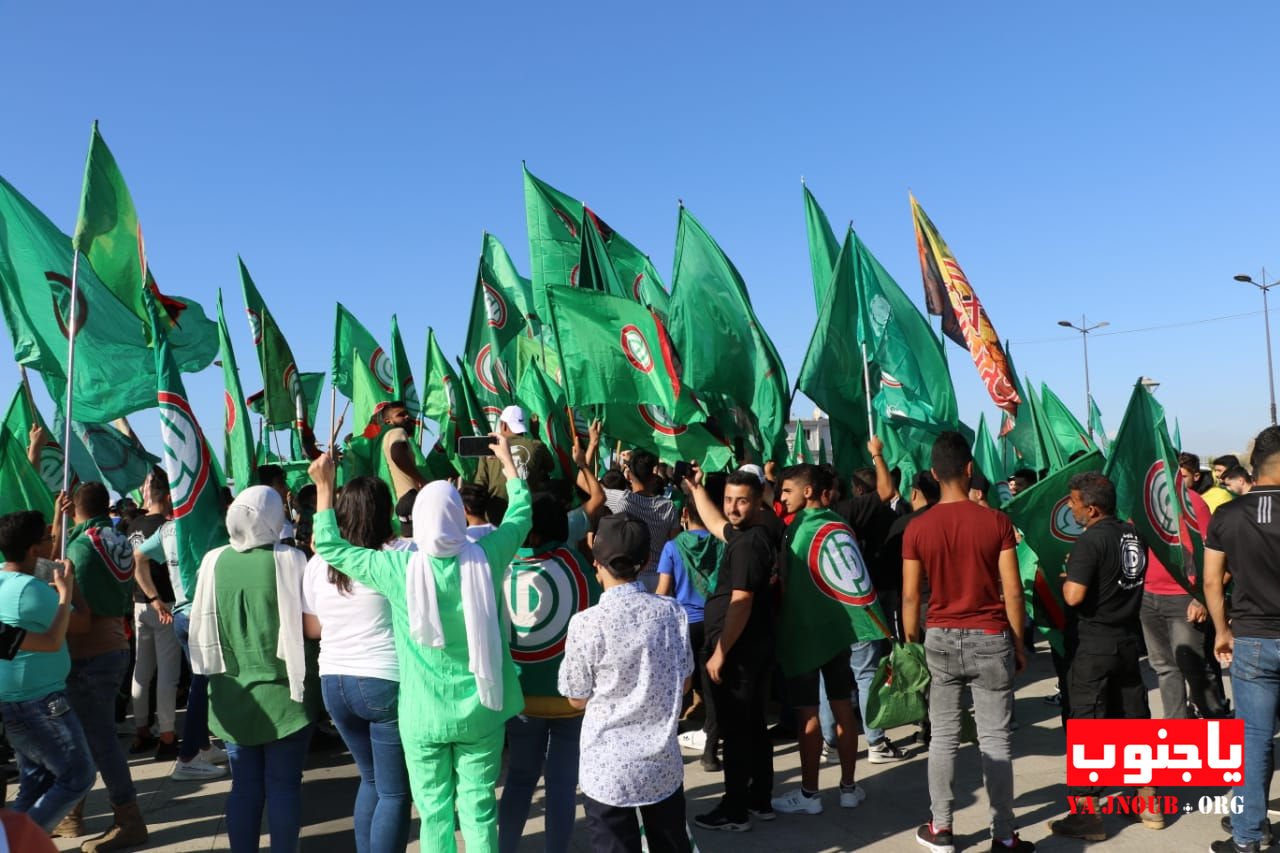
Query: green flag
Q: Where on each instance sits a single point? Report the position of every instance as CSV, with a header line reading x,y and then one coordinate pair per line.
x,y
1150,493
1067,432
368,395
988,462
1095,425
352,343
18,420
832,373
1043,515
652,428
915,383
284,397
722,347
21,486
109,235
405,386
103,452
1051,455
115,371
823,247
799,447
1177,436
615,350
1022,430
544,589
197,504
312,386
555,222
545,400
443,404
238,448
828,601
1043,598
496,324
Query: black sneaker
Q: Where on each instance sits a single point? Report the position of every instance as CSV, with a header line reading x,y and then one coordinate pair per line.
x,y
167,751
765,812
718,819
1018,846
1267,838
710,763
1229,846
939,841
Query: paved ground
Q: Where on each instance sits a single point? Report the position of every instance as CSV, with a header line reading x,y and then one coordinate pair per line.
x,y
187,816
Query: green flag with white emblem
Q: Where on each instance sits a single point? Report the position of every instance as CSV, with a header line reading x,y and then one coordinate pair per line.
x,y
352,342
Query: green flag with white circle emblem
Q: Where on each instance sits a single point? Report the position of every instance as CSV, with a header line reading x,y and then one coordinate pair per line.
x,y
1150,493
828,600
197,505
543,589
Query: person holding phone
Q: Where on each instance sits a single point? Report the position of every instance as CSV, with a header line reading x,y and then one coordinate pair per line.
x,y
458,684
55,767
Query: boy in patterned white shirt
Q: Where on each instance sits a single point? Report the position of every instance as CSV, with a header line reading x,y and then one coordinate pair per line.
x,y
627,661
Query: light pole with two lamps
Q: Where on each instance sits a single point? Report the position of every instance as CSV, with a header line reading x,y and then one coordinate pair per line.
x,y
1084,329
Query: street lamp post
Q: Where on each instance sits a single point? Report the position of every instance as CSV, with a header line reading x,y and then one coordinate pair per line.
x,y
1266,321
1084,329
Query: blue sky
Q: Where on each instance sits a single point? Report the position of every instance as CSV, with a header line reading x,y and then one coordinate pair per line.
x,y
1114,159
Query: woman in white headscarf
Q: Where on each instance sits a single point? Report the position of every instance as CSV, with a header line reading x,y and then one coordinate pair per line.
x,y
246,635
458,685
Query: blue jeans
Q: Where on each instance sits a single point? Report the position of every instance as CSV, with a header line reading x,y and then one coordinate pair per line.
x,y
269,774
1255,683
863,660
195,727
54,767
366,714
92,686
540,747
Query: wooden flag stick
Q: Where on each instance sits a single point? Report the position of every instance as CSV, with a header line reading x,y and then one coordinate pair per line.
x,y
866,384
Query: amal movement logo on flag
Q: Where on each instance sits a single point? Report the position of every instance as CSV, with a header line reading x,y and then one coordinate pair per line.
x,y
637,288
380,367
255,325
61,287
658,419
836,566
495,307
636,349
114,549
186,458
1158,504
1063,524
490,371
543,593
229,405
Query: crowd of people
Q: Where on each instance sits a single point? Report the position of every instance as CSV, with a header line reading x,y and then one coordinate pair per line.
x,y
568,627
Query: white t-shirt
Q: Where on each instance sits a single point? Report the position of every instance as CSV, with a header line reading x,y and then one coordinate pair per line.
x,y
476,532
357,635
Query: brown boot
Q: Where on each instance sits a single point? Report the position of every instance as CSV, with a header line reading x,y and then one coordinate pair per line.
x,y
128,830
1084,825
1150,819
71,826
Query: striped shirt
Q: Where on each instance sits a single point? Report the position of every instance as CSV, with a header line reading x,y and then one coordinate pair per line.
x,y
658,514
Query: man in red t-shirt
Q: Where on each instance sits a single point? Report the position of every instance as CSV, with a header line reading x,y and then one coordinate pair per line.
x,y
974,638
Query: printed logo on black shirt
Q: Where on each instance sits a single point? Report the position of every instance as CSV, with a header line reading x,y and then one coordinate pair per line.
x,y
1133,560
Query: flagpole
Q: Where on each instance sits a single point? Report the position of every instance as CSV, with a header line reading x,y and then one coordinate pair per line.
x,y
71,372
866,384
333,412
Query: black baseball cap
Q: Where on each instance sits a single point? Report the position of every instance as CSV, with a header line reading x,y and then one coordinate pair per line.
x,y
621,539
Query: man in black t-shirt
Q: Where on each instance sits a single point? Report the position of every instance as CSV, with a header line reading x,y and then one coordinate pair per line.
x,y
740,639
1244,539
1104,637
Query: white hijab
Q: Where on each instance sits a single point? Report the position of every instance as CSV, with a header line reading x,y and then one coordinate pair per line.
x,y
256,518
440,530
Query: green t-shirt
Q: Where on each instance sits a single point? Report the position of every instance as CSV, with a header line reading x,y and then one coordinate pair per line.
x,y
103,559
249,703
438,699
31,604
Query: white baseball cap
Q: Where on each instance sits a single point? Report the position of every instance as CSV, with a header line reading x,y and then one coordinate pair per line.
x,y
513,417
752,468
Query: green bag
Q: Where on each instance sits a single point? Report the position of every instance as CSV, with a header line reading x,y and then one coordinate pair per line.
x,y
898,690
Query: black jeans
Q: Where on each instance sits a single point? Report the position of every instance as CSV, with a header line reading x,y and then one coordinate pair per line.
x,y
1105,682
614,829
702,681
747,752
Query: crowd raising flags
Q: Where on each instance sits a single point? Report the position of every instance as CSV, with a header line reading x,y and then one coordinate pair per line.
x,y
590,350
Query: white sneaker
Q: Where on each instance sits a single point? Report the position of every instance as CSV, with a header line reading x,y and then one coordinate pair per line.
x,y
694,741
797,803
214,754
851,798
830,753
196,770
